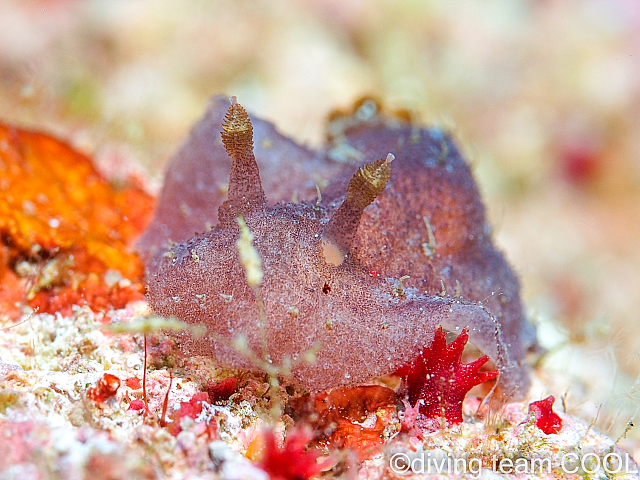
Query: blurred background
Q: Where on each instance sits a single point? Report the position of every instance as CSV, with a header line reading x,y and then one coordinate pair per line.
x,y
542,95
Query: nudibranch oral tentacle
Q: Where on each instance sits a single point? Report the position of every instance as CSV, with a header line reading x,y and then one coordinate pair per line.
x,y
359,325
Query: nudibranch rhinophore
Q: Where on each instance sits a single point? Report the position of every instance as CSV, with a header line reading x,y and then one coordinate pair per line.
x,y
362,274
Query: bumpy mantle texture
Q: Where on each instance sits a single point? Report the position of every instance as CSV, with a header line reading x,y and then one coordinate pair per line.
x,y
361,275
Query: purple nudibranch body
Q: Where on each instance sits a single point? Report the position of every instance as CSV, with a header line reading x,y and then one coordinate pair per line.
x,y
363,277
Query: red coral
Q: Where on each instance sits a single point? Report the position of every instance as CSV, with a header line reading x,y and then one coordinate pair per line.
x,y
348,417
546,419
223,390
190,409
106,387
440,380
292,461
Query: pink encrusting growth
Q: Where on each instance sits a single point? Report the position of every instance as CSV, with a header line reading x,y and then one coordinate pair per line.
x,y
368,270
190,409
136,405
438,381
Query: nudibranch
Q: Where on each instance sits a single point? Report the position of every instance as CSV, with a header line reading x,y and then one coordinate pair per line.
x,y
362,255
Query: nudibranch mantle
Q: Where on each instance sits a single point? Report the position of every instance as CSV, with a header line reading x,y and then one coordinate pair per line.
x,y
362,276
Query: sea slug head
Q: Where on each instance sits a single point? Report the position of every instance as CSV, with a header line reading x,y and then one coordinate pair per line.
x,y
292,284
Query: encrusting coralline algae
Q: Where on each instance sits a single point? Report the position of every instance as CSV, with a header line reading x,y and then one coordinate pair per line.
x,y
361,275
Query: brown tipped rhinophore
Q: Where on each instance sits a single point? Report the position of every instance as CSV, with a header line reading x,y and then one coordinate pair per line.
x,y
419,250
368,182
245,188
